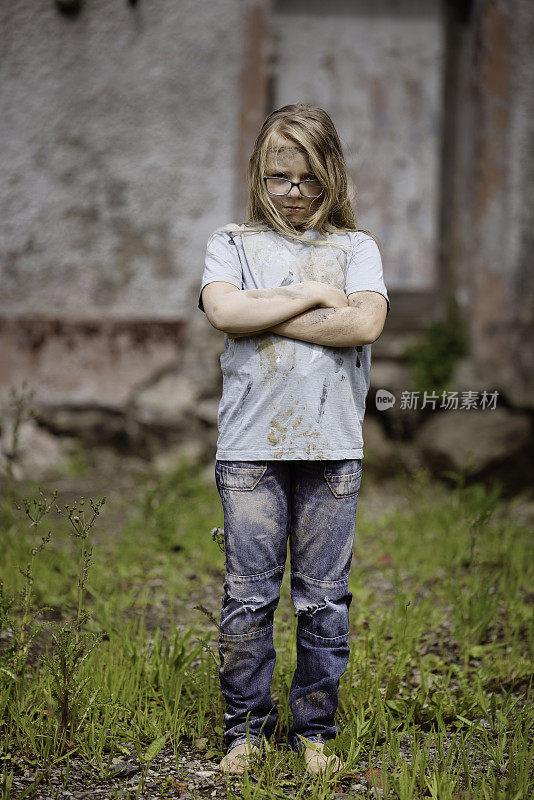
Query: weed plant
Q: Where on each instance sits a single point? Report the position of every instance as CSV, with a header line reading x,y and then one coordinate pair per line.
x,y
432,361
108,648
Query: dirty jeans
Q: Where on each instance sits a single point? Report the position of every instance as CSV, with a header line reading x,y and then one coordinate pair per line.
x,y
265,503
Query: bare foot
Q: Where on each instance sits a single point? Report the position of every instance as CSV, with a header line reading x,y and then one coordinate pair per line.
x,y
238,759
318,762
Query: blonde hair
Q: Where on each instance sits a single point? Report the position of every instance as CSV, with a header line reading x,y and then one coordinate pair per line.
x,y
312,131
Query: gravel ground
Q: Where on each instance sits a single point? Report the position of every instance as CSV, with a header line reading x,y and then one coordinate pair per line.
x,y
196,777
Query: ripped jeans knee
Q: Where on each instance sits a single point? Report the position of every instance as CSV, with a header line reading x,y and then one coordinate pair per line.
x,y
249,603
322,607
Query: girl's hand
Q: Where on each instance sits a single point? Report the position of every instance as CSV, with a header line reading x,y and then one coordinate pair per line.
x,y
330,296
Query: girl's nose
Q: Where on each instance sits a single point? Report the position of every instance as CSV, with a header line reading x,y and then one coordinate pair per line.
x,y
295,192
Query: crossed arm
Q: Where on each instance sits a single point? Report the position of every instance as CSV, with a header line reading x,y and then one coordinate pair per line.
x,y
361,322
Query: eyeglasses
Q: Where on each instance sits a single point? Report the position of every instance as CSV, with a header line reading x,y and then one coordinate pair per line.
x,y
280,186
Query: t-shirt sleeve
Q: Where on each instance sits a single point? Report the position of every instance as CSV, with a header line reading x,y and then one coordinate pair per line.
x,y
222,263
364,269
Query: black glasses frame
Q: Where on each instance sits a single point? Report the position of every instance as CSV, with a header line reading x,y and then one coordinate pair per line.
x,y
293,183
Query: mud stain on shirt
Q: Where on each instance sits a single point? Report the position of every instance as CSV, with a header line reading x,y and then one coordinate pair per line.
x,y
291,428
276,356
322,401
239,407
323,266
286,398
278,427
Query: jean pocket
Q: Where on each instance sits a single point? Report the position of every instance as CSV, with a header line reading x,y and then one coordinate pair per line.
x,y
240,476
344,477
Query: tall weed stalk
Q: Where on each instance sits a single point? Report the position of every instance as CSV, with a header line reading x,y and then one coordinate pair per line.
x,y
72,643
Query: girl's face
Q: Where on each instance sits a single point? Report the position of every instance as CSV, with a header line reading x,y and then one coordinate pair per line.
x,y
292,163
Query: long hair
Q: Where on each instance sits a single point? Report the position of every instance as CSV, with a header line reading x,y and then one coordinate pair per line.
x,y
312,131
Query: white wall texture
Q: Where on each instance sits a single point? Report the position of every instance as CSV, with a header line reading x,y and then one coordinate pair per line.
x,y
118,131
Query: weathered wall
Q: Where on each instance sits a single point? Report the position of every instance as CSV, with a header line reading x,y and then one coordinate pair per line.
x,y
126,130
378,70
118,129
492,240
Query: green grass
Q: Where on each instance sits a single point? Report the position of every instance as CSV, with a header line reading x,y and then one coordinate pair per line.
x,y
436,699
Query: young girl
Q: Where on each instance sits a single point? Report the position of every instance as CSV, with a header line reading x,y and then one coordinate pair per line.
x,y
299,292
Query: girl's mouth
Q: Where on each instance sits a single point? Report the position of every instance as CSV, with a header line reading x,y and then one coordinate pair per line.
x,y
294,208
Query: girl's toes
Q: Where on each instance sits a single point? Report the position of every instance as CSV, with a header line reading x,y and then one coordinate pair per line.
x,y
238,759
318,762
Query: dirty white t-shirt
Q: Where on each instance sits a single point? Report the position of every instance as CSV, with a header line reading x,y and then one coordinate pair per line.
x,y
284,398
